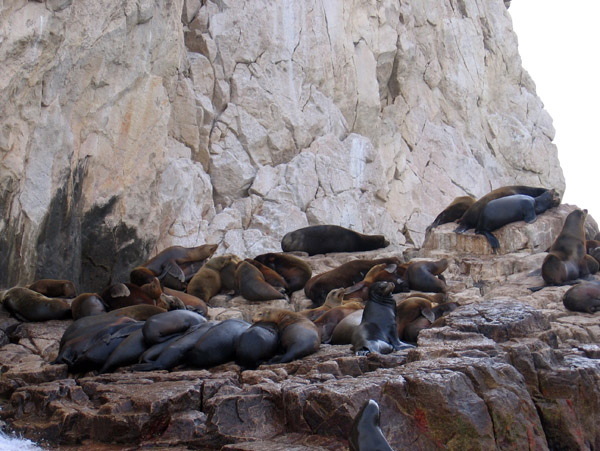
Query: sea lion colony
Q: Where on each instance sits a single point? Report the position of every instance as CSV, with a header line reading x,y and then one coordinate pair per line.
x,y
157,319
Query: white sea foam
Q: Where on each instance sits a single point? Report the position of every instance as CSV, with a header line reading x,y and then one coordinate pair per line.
x,y
8,443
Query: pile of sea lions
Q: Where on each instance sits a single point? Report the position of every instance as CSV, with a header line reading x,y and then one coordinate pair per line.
x,y
157,320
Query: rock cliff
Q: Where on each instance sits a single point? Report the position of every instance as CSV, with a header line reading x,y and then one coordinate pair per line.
x,y
130,125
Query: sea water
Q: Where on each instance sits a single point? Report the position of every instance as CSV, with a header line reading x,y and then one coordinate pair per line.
x,y
8,443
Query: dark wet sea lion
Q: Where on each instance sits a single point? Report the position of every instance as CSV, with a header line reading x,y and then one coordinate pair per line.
x,y
87,304
298,336
126,353
295,271
252,285
346,275
161,327
173,259
425,275
583,297
567,259
217,346
518,207
207,282
54,288
323,239
257,344
452,212
365,433
377,331
28,305
471,216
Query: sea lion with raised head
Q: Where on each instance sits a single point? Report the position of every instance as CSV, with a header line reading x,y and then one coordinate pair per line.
x,y
334,299
324,239
207,282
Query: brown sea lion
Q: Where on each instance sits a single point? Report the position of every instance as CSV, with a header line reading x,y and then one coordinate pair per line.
x,y
323,239
141,275
590,245
411,309
381,272
271,276
120,295
518,207
365,433
425,276
87,304
377,331
190,301
567,259
342,333
471,216
452,212
28,305
252,285
329,320
583,297
412,329
54,288
298,336
334,299
347,275
207,282
174,259
295,271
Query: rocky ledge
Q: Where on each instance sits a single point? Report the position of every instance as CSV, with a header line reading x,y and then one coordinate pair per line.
x,y
508,369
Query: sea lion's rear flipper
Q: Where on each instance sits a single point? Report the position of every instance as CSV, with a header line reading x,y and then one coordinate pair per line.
x,y
536,289
530,217
172,268
491,239
461,229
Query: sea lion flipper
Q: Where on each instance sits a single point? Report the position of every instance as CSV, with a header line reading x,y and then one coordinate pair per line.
x,y
119,290
530,217
172,268
492,240
428,313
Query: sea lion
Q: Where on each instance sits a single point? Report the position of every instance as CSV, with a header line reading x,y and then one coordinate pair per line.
x,y
411,331
410,309
160,327
120,295
207,282
381,272
252,285
298,336
271,276
347,275
190,301
471,216
87,304
54,288
452,212
583,297
141,275
567,259
377,331
365,433
323,239
174,259
28,305
217,346
426,276
257,344
126,353
334,299
328,322
342,333
500,212
295,271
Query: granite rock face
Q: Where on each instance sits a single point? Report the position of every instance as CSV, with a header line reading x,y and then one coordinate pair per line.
x,y
127,126
507,369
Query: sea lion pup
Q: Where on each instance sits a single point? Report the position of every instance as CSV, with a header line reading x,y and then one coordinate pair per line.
x,y
500,212
334,299
412,329
471,216
377,331
583,297
271,276
257,344
28,305
567,259
217,346
346,275
161,327
120,295
298,336
323,239
54,288
426,276
295,271
327,322
207,282
365,433
252,285
452,212
174,259
87,304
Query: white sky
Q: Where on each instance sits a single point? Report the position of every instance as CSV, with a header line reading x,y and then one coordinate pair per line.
x,y
559,44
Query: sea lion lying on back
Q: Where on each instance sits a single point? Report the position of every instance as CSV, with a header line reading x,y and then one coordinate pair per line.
x,y
323,239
